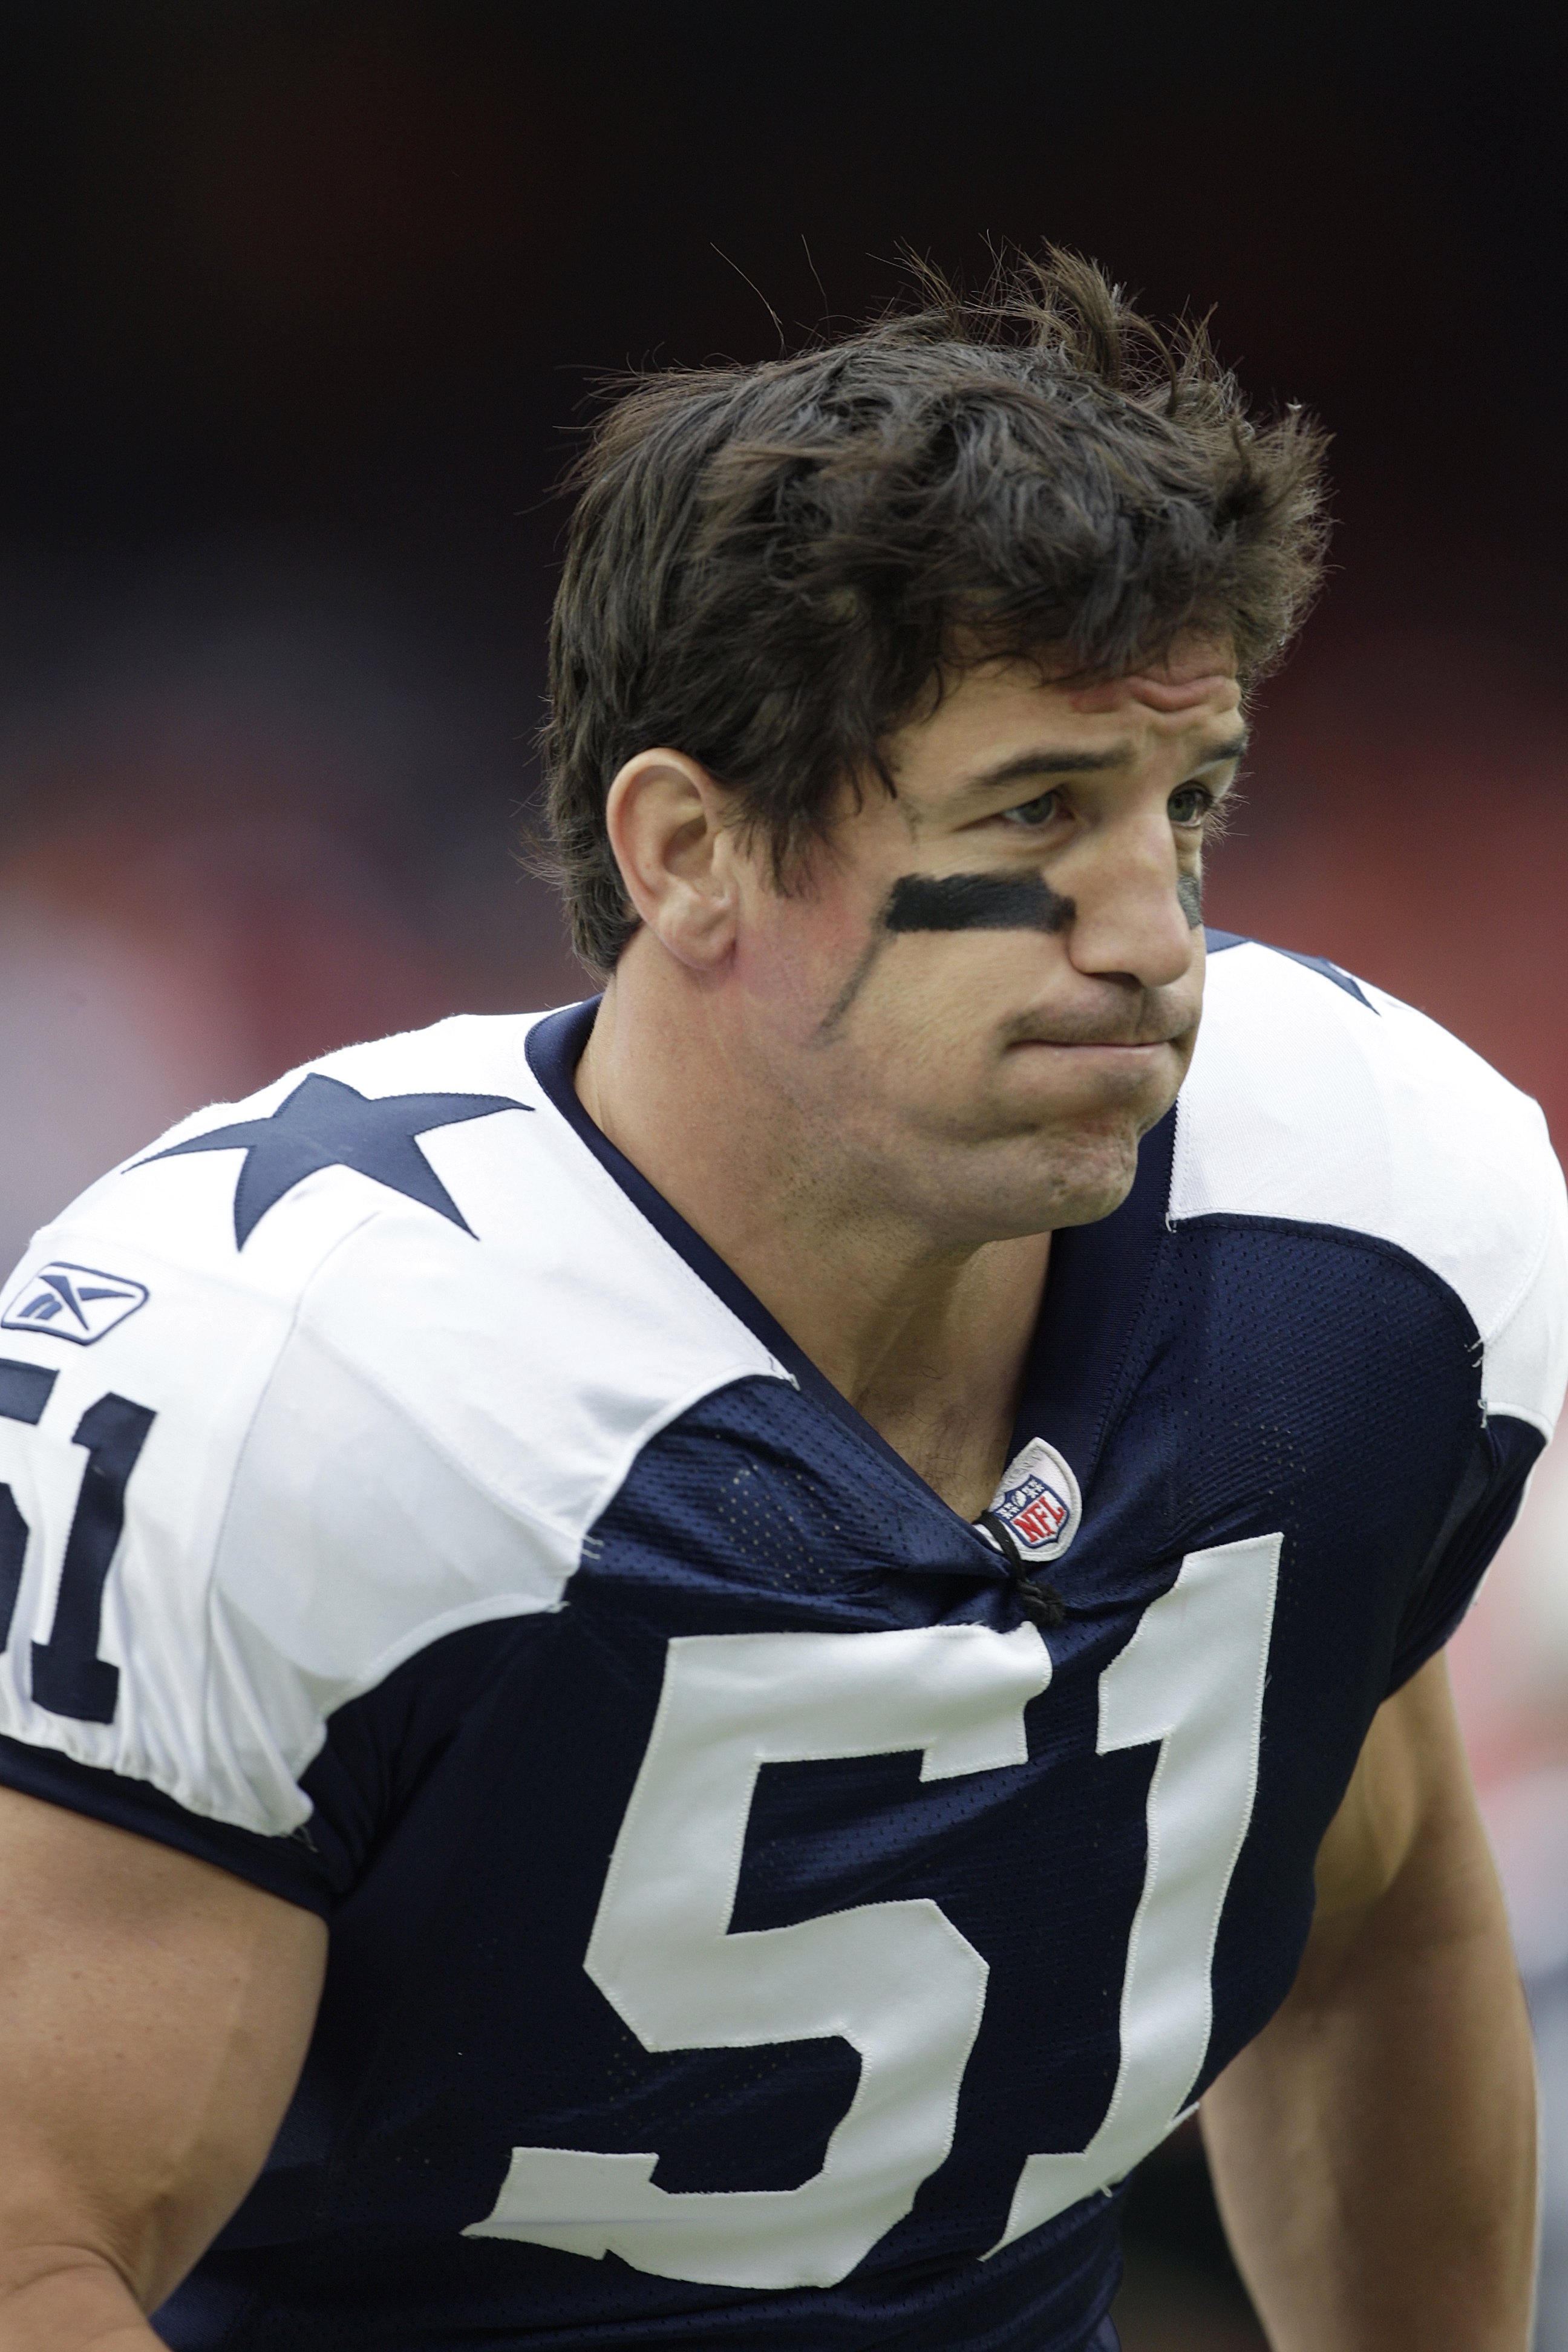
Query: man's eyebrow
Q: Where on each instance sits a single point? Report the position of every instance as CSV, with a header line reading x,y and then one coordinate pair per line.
x,y
1024,766
1221,753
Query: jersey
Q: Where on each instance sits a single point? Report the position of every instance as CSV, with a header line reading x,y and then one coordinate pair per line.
x,y
749,1923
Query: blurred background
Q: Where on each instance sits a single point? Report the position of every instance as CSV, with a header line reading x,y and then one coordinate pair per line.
x,y
301,301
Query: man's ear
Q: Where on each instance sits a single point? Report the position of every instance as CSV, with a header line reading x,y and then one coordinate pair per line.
x,y
676,847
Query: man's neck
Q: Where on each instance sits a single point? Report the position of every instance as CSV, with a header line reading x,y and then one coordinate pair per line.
x,y
928,1342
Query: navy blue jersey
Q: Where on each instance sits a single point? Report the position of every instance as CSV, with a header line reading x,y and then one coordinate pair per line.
x,y
750,1927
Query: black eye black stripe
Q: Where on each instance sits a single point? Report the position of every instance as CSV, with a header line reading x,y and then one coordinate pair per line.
x,y
975,902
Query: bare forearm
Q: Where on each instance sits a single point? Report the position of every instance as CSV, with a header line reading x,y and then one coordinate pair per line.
x,y
63,2299
1374,2149
154,2015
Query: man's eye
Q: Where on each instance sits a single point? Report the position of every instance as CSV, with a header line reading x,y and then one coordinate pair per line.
x,y
1040,811
1190,804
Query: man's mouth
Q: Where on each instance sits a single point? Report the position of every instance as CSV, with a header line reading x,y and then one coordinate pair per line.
x,y
1100,1045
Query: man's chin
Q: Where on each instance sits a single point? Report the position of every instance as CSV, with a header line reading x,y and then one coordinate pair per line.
x,y
1086,1208
1082,1198
1095,1142
1054,1182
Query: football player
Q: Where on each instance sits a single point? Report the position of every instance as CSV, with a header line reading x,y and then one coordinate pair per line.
x,y
676,1673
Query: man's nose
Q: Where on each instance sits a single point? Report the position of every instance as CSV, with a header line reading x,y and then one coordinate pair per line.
x,y
1129,923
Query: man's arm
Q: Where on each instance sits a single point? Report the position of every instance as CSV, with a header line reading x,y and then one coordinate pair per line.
x,y
154,2013
1373,2150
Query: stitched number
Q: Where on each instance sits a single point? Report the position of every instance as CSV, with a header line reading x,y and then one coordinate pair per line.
x,y
13,1554
1190,1677
24,1393
896,1980
68,1675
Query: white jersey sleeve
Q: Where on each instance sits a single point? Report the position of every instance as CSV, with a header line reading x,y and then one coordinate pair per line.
x,y
1337,1104
245,1481
1317,1100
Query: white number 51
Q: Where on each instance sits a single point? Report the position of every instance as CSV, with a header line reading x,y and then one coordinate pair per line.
x,y
896,1980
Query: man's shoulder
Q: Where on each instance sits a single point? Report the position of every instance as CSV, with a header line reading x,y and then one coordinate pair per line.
x,y
1316,1098
249,1197
407,1233
425,1178
386,1338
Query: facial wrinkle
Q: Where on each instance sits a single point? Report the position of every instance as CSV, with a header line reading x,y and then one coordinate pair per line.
x,y
975,902
1190,899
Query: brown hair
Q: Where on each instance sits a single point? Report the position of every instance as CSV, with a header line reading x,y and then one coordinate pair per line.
x,y
769,566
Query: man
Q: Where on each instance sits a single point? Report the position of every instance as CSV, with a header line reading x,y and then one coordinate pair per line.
x,y
682,1666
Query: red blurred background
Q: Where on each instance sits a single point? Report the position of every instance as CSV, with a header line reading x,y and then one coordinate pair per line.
x,y
302,302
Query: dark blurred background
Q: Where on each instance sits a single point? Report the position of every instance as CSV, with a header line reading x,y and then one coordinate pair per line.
x,y
301,303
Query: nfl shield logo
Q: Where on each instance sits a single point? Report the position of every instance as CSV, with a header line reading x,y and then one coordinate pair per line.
x,y
1040,1502
72,1302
